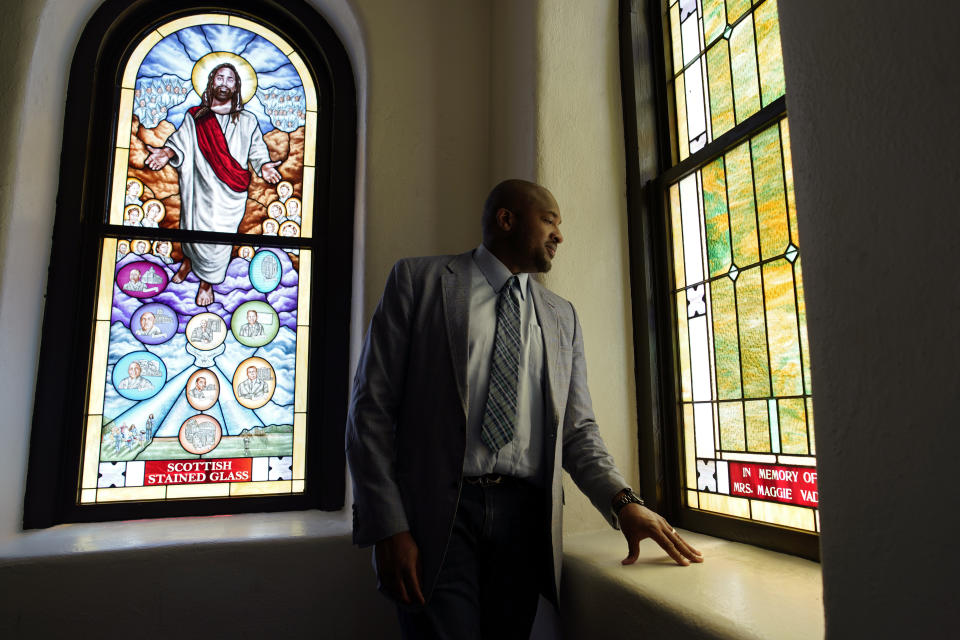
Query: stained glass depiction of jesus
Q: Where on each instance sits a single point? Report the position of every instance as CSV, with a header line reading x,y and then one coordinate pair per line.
x,y
214,182
222,120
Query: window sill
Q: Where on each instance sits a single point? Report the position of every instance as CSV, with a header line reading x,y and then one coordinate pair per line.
x,y
739,591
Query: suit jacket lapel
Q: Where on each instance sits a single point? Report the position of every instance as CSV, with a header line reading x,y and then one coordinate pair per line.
x,y
456,310
550,328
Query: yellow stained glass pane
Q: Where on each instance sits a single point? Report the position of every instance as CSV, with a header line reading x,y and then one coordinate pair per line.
x,y
810,430
716,219
259,488
729,505
190,21
725,339
769,53
209,490
802,319
677,229
736,8
683,344
753,335
758,425
746,87
108,259
298,486
303,354
120,494
692,500
309,176
759,458
689,446
782,328
299,445
793,425
308,87
721,92
119,184
788,179
743,217
771,200
303,288
675,37
732,436
714,19
310,140
91,452
98,366
683,141
125,114
88,495
785,515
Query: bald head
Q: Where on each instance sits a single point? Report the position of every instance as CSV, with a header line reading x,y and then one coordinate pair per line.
x,y
520,225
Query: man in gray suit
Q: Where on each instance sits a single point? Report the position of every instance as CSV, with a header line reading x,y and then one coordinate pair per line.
x,y
470,394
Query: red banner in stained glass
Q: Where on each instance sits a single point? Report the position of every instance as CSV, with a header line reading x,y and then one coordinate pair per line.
x,y
790,485
158,472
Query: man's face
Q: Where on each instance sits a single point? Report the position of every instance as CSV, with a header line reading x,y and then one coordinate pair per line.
x,y
133,370
146,321
251,317
134,275
252,373
224,83
536,233
201,383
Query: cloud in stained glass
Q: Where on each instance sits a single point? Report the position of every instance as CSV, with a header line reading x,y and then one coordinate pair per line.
x,y
279,102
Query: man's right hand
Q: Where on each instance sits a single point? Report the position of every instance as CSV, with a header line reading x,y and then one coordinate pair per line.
x,y
158,158
398,567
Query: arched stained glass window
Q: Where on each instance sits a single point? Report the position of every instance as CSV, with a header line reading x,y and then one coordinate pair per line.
x,y
208,358
733,319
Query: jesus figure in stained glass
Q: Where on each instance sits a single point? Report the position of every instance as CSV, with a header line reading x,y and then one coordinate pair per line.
x,y
211,152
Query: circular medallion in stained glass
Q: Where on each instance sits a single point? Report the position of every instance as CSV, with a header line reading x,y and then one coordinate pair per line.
x,y
139,375
254,382
200,434
154,323
254,323
206,331
142,279
203,389
266,270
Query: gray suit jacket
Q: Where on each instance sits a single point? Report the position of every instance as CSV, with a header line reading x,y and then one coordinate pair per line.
x,y
406,428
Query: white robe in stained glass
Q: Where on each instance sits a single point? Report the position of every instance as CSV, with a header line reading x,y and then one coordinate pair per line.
x,y
206,203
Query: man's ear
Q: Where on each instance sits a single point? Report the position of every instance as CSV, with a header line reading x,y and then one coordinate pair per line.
x,y
505,219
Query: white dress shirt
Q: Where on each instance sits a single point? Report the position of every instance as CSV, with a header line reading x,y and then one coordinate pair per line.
x,y
522,456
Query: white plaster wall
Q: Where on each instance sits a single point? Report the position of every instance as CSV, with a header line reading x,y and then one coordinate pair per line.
x,y
580,158
873,114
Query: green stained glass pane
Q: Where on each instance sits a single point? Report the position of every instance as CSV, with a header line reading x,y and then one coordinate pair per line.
x,y
683,343
725,340
810,430
802,319
758,426
784,341
717,222
736,8
721,96
753,335
732,437
677,229
743,217
771,199
683,140
793,426
675,37
769,52
714,19
788,179
746,88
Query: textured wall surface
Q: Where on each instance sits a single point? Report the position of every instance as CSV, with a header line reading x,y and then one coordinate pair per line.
x,y
872,119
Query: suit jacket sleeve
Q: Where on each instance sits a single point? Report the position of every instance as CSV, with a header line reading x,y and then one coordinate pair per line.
x,y
371,421
585,457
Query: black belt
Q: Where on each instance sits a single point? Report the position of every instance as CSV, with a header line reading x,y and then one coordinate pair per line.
x,y
492,479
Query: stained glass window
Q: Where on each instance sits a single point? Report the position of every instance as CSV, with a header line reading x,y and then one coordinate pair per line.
x,y
744,389
198,377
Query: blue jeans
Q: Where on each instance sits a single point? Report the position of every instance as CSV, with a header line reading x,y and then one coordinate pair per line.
x,y
497,564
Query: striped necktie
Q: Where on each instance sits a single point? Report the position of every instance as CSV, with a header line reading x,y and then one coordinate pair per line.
x,y
500,416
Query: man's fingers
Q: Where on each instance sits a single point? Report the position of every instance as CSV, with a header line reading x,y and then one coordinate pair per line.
x,y
633,551
413,587
686,549
663,539
400,590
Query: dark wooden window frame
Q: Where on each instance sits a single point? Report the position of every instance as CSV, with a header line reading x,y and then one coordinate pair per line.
x,y
86,169
649,118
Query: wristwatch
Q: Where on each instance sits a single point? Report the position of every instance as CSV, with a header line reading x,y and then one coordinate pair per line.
x,y
627,496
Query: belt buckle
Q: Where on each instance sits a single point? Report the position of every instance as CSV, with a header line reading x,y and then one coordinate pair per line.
x,y
491,479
